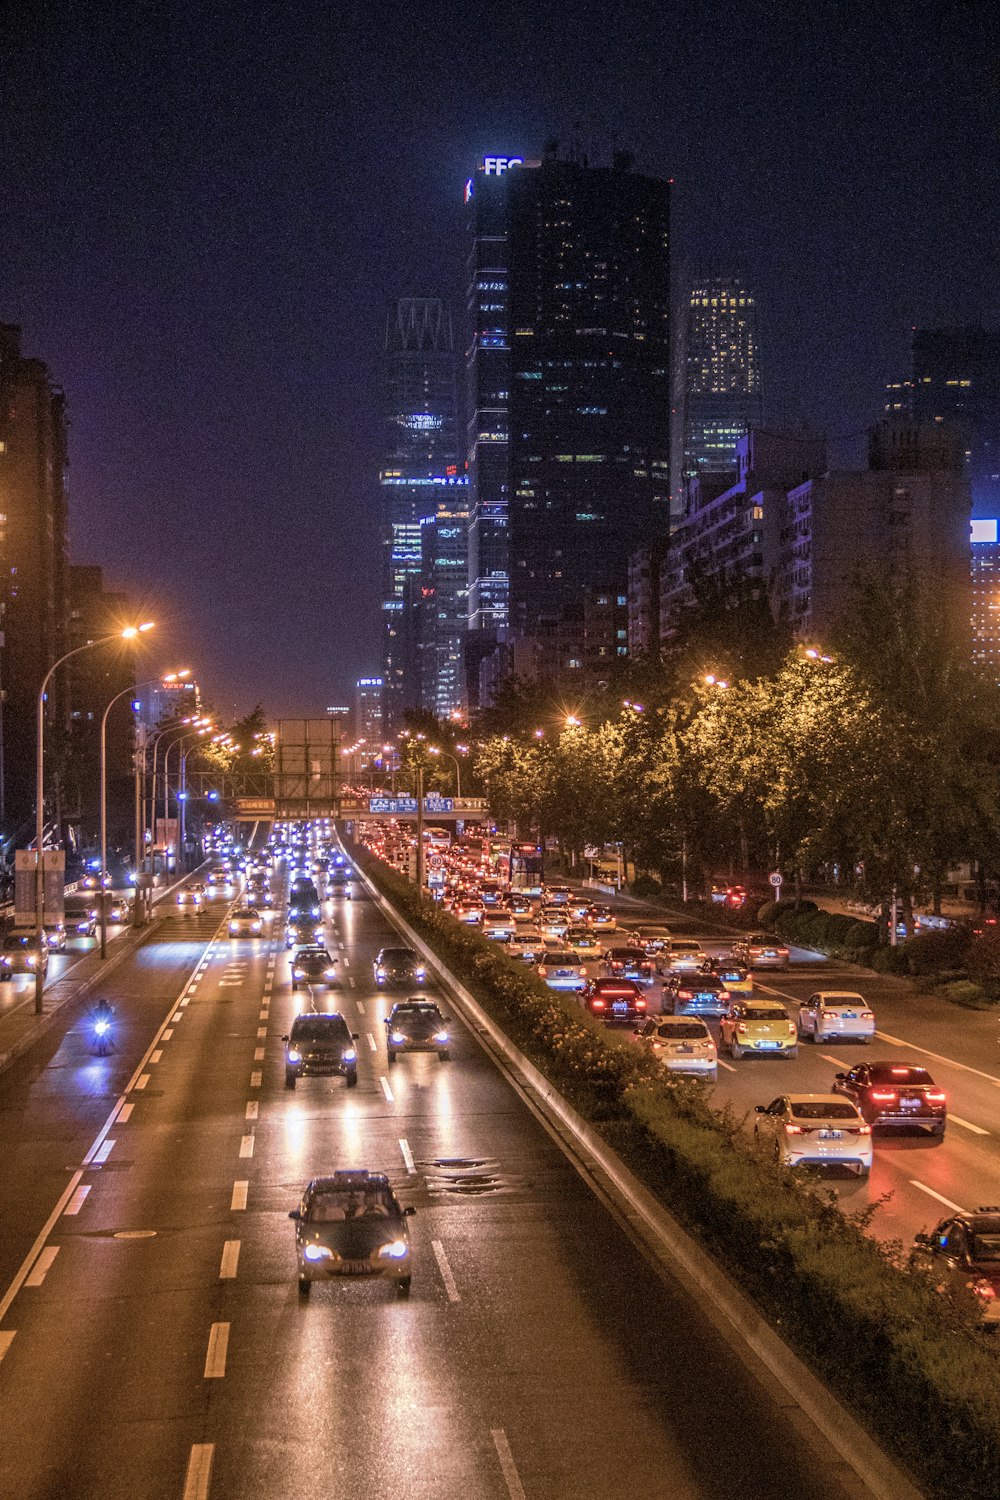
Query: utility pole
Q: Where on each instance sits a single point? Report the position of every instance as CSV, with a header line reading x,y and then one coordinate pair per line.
x,y
420,827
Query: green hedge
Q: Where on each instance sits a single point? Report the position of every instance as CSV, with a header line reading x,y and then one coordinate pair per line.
x,y
914,1365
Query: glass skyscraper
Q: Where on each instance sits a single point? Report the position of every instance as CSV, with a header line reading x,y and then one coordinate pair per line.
x,y
719,379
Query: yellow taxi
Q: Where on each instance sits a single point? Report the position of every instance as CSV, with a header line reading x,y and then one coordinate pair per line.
x,y
761,1027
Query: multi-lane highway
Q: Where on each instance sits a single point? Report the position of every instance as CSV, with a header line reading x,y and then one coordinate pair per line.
x,y
153,1342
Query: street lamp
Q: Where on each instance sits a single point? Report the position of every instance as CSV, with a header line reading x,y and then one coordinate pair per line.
x,y
433,750
202,729
130,633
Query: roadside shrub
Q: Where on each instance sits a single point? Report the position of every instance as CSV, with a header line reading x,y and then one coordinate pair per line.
x,y
965,992
645,887
767,913
982,961
861,937
938,951
890,960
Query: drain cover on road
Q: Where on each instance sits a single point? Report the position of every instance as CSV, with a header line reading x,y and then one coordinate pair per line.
x,y
135,1234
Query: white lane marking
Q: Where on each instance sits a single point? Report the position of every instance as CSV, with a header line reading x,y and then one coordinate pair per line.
x,y
261,1033
157,1055
956,1207
124,1114
341,946
258,1055
966,1124
373,1044
40,1239
387,1091
218,1345
230,1260
728,1066
264,1014
251,1110
239,1200
178,1016
182,1004
199,1471
104,1151
347,962
140,1083
77,1201
350,980
192,987
445,1269
6,1339
827,1058
166,1036
246,1146
42,1266
256,1078
895,1041
361,1007
512,1478
228,984
404,1147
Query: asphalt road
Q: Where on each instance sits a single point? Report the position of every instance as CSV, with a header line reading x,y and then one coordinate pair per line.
x,y
159,1347
916,1179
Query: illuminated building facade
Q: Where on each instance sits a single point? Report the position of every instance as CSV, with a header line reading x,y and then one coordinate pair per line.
x,y
719,389
420,469
986,595
444,605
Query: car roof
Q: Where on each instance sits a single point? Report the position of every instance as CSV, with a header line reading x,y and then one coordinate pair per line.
x,y
331,1016
354,1177
837,1099
753,1003
839,996
312,950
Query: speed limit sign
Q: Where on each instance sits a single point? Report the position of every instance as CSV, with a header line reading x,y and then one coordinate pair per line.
x,y
775,879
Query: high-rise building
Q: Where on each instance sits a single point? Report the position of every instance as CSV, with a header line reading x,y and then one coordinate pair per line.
x,y
718,389
986,595
444,606
569,374
369,712
33,568
956,383
420,467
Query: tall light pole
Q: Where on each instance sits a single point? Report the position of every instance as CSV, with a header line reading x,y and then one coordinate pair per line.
x,y
433,750
195,733
130,633
167,729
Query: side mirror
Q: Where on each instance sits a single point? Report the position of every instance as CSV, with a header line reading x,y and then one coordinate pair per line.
x,y
921,1239
409,1211
840,1076
295,1214
761,1109
355,1035
285,1037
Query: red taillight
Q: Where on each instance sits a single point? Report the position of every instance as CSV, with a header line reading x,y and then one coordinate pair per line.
x,y
793,1129
867,1015
883,1097
725,995
640,1005
685,994
864,1129
985,1290
597,1004
936,1098
741,1026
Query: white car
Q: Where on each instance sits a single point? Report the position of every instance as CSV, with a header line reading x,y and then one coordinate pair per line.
x,y
554,922
836,1015
498,924
683,1044
816,1130
682,956
562,970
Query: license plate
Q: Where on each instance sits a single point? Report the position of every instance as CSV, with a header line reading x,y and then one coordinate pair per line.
x,y
685,1049
769,1044
830,1135
910,1103
850,1015
620,1007
355,1267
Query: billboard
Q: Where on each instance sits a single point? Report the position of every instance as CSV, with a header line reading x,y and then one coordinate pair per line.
x,y
306,768
25,868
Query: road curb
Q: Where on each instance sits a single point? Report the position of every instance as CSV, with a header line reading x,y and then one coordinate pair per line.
x,y
686,1259
44,1023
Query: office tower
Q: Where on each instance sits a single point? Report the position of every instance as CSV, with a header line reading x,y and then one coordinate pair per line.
x,y
956,382
369,712
444,606
420,464
569,377
986,596
719,394
33,571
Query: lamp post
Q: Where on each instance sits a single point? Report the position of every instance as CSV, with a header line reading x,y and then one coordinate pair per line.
x,y
130,633
433,750
193,735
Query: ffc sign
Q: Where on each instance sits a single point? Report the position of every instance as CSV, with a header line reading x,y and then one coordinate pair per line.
x,y
496,166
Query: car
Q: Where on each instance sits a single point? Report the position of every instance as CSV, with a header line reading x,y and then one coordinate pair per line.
x,y
738,981
93,881
698,994
602,919
301,931
320,1045
399,966
554,921
617,1002
816,1130
760,1027
683,1044
23,953
55,936
245,921
313,965
189,899
352,1224
579,908
895,1094
836,1016
490,893
220,877
561,969
417,1025
963,1255
557,895
583,941
652,938
522,909
760,951
528,950
628,963
498,924
683,956
339,883
81,917
469,911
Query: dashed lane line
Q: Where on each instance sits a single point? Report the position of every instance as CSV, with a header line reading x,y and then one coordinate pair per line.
x,y
141,1083
387,1091
125,1113
103,1151
77,1201
446,1273
256,1078
218,1347
42,1266
407,1155
258,1055
239,1199
246,1146
508,1467
157,1055
955,1207
966,1124
251,1110
372,1043
230,1260
6,1339
199,1471
895,1041
728,1066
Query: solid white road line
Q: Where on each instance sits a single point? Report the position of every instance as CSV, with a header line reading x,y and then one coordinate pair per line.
x,y
895,1041
6,1339
508,1467
445,1269
124,1114
104,1151
373,1044
42,1266
141,1083
256,1078
251,1110
827,1057
77,1201
157,1055
966,1124
230,1260
956,1207
404,1147
218,1345
199,1472
361,1007
246,1147
728,1066
387,1091
239,1199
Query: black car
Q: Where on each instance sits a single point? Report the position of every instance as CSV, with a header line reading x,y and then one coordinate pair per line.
x,y
618,1002
963,1253
303,930
416,1026
399,966
313,965
629,963
352,1224
895,1094
320,1045
697,994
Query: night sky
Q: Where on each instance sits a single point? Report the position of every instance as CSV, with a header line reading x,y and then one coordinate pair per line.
x,y
205,207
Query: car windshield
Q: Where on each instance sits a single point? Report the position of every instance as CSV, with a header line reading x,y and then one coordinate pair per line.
x,y
312,956
822,1109
682,1031
338,1207
914,1077
843,1003
762,1013
316,1029
18,943
397,955
684,948
416,1013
